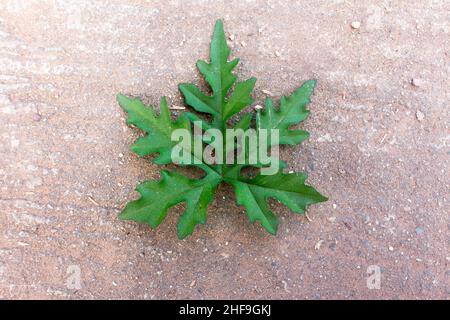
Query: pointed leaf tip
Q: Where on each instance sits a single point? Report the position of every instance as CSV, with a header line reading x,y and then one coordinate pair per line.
x,y
121,99
218,24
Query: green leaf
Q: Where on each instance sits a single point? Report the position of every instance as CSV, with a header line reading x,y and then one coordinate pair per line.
x,y
159,131
158,196
289,189
244,122
225,100
240,98
218,73
196,99
292,111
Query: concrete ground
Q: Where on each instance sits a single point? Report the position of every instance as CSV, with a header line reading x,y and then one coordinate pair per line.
x,y
379,149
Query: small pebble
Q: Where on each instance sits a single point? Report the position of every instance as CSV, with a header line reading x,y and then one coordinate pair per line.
x,y
243,44
325,138
356,24
318,245
37,117
258,107
267,92
420,115
417,82
231,37
419,230
277,53
391,248
120,155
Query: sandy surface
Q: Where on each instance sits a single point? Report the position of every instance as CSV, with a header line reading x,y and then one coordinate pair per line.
x,y
379,149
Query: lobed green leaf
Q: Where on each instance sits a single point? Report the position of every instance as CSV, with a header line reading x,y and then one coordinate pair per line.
x,y
157,197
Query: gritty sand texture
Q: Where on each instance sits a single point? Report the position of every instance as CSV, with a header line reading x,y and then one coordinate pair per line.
x,y
379,149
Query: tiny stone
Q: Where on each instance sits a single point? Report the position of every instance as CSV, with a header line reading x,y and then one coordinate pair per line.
x,y
37,117
192,283
366,219
231,37
419,230
356,24
258,107
332,219
417,82
318,245
243,43
334,205
120,155
420,115
391,248
267,92
277,53
325,138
